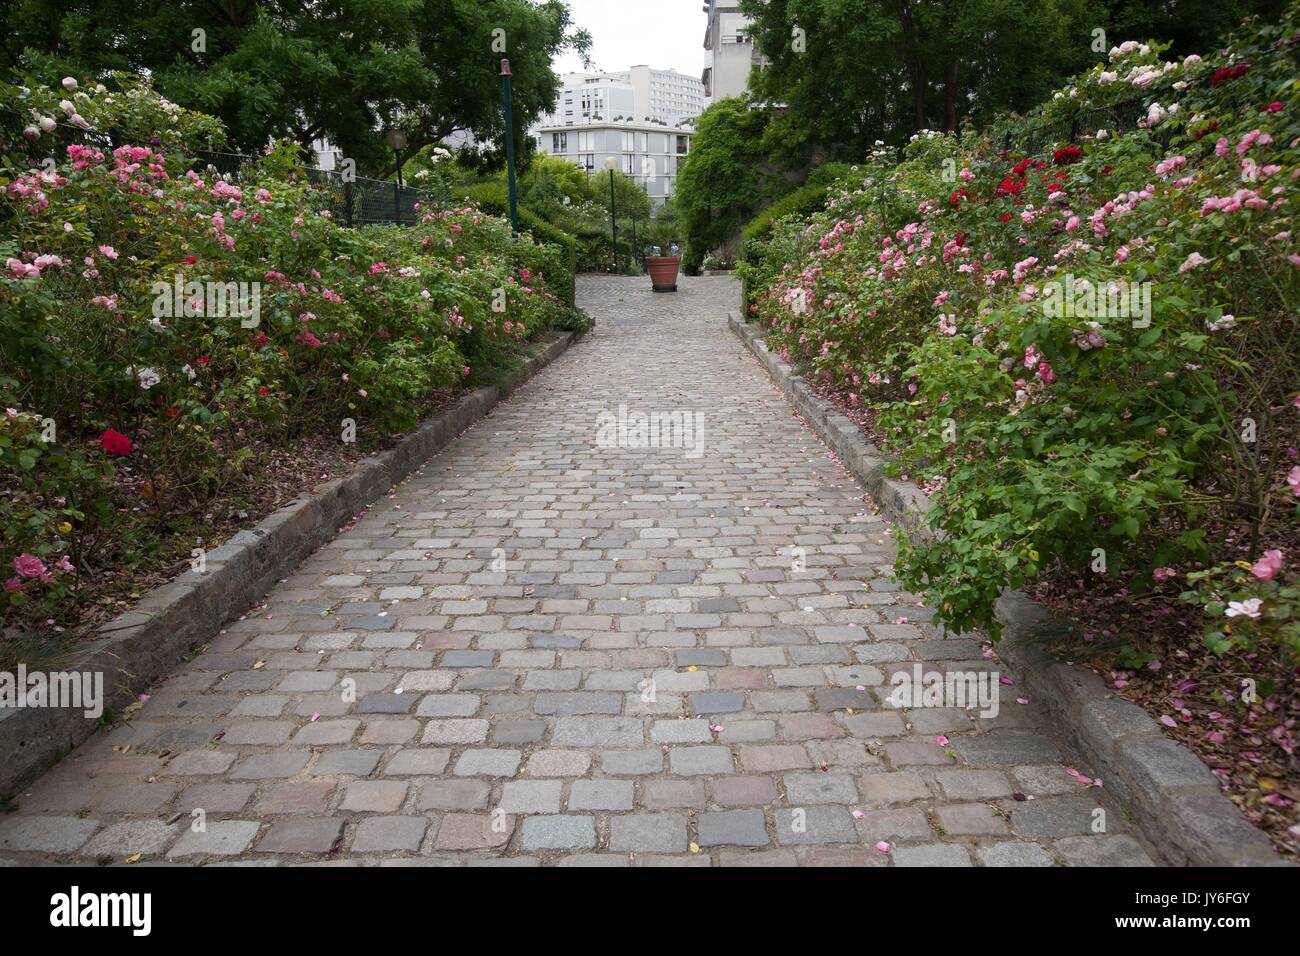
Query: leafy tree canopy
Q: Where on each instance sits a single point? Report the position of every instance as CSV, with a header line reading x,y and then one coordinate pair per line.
x,y
725,178
343,69
849,72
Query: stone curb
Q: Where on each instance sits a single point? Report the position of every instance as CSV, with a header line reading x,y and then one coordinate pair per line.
x,y
1171,793
142,646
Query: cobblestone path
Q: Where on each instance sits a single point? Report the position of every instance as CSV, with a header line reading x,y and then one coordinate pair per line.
x,y
567,651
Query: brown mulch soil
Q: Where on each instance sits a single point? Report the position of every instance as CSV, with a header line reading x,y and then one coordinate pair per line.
x,y
274,475
1196,696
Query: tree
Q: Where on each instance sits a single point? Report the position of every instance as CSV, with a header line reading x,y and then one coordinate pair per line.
x,y
1193,26
551,180
341,70
725,178
850,72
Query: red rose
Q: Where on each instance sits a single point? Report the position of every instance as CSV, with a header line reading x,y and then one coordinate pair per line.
x,y
263,391
1066,155
1275,107
190,260
1010,187
1227,73
115,443
205,360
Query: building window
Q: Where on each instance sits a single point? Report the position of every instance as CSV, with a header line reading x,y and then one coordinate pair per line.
x,y
559,142
586,142
681,145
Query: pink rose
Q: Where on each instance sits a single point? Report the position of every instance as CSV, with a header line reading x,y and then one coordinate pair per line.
x,y
29,566
1267,567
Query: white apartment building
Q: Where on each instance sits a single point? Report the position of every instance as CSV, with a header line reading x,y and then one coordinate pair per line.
x,y
649,153
640,94
592,98
664,96
729,51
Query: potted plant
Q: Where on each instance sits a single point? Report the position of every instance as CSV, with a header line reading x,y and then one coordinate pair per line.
x,y
662,255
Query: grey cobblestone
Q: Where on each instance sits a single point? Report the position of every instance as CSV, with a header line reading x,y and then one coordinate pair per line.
x,y
646,671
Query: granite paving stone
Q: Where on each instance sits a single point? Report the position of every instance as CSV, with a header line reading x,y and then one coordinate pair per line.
x,y
644,671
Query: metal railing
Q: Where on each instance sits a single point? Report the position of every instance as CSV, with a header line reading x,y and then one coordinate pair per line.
x,y
352,200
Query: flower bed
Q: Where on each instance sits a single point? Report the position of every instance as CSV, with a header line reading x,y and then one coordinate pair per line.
x,y
167,334
1088,357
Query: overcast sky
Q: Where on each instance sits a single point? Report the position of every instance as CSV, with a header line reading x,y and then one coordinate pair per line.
x,y
664,34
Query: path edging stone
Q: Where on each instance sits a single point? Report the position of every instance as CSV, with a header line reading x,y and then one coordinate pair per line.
x,y
144,644
1170,791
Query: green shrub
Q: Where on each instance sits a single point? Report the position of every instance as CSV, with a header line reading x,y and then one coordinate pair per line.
x,y
807,199
123,329
494,197
1057,443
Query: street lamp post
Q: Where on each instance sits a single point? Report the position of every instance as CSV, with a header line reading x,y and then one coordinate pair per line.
x,y
610,164
397,140
510,145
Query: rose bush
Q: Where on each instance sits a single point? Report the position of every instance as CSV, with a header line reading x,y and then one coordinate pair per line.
x,y
1087,355
169,320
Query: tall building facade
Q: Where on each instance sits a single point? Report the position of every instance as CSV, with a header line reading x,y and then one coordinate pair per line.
x,y
649,153
728,50
591,98
639,118
664,96
639,94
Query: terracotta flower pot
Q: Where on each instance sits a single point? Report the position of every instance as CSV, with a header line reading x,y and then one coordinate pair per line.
x,y
663,272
